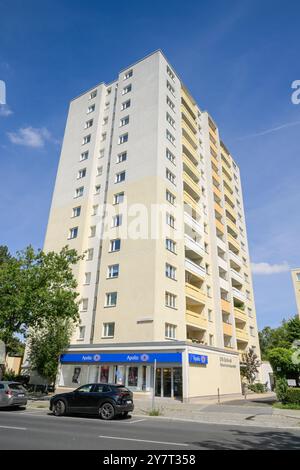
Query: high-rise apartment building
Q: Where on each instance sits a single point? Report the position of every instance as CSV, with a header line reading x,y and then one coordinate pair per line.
x,y
148,190
296,283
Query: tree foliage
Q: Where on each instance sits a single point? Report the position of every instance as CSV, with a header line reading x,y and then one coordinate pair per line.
x,y
250,366
281,337
283,364
34,287
46,345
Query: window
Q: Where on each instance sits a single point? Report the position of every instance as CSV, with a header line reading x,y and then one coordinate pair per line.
x,y
252,333
170,245
125,105
113,271
170,104
115,245
170,156
170,73
128,74
81,332
108,91
84,156
90,109
95,209
122,157
99,170
86,139
298,276
93,94
79,192
73,232
105,121
170,197
111,299
170,331
126,89
117,220
250,312
76,211
108,330
170,220
118,198
170,120
106,106
88,123
170,271
209,315
170,300
97,189
101,153
120,177
93,231
87,278
170,88
170,137
90,254
170,176
211,340
81,173
124,121
103,137
84,305
123,138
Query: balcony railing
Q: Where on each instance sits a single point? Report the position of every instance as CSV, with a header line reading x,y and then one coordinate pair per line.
x,y
235,257
238,294
237,275
192,245
195,293
196,319
193,223
195,268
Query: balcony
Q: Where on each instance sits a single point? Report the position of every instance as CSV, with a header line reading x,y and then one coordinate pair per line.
x,y
214,160
225,306
238,294
193,223
190,168
219,209
230,210
191,187
196,334
217,192
241,335
226,178
237,276
192,136
240,314
216,176
213,146
232,226
227,329
195,319
235,258
194,268
193,245
188,102
195,293
189,150
189,120
233,242
229,195
219,225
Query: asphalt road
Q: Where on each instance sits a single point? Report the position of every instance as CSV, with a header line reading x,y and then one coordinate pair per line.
x,y
38,429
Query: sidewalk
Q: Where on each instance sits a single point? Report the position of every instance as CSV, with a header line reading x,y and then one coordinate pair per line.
x,y
256,411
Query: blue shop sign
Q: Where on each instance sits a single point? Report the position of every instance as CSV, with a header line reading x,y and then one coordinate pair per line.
x,y
198,359
92,358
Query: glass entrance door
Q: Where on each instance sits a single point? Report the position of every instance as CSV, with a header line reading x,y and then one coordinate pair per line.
x,y
177,382
167,382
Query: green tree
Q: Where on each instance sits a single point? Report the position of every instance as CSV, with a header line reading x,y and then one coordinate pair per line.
x,y
292,328
46,345
250,366
283,365
270,338
34,287
5,256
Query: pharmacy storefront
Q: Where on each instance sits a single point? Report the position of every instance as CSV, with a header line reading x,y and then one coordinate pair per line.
x,y
179,373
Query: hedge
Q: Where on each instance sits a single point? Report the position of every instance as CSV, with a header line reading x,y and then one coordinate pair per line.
x,y
292,396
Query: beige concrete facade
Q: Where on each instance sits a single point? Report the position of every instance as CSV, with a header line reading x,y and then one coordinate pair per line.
x,y
181,270
296,283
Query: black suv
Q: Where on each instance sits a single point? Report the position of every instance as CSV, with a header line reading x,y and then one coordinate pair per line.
x,y
104,400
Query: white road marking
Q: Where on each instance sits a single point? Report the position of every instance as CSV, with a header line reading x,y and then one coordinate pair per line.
x,y
13,427
144,440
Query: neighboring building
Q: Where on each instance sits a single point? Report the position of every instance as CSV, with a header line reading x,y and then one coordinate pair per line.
x,y
174,287
296,283
14,363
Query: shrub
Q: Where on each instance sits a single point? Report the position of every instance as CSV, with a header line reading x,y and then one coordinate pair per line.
x,y
293,396
155,412
281,389
258,388
9,374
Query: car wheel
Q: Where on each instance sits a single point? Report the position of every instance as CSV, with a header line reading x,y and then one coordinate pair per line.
x,y
107,411
59,408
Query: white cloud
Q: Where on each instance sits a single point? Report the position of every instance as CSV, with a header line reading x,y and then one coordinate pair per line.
x,y
5,110
270,131
30,137
266,269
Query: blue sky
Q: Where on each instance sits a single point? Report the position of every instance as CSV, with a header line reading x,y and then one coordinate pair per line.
x,y
238,58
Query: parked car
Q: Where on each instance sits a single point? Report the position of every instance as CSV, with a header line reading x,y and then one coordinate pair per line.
x,y
104,400
12,394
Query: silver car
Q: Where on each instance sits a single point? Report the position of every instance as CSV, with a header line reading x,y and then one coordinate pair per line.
x,y
12,394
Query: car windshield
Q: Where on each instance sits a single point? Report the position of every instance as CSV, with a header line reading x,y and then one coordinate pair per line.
x,y
15,386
